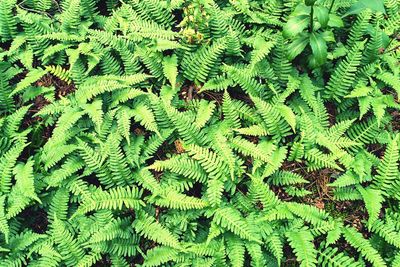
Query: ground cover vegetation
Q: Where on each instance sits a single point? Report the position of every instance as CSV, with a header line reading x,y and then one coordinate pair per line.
x,y
199,133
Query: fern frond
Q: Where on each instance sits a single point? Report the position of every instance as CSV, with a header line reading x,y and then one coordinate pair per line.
x,y
113,199
150,228
160,255
373,202
320,159
32,76
170,69
59,72
98,85
248,148
182,165
388,168
204,113
363,246
145,116
197,66
275,245
209,160
8,22
23,191
7,162
331,257
301,242
261,192
175,200
274,121
230,114
231,219
4,228
70,247
386,231
236,250
344,75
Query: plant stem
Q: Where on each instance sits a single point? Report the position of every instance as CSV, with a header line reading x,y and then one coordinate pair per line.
x,y
394,37
330,8
312,19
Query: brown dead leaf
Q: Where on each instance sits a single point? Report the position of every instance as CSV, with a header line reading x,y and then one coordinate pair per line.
x,y
319,204
179,146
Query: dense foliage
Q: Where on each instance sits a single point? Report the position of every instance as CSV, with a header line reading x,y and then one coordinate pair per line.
x,y
199,133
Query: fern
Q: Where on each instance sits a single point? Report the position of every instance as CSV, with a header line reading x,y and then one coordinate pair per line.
x,y
386,231
7,162
301,242
331,257
175,200
170,69
23,191
205,112
31,77
373,207
59,72
345,73
182,165
236,251
71,15
320,160
4,227
66,242
150,228
199,133
99,85
145,116
205,57
247,148
8,23
363,246
231,219
388,168
160,255
112,199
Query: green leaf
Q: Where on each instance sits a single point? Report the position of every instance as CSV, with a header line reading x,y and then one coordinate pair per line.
x,y
374,5
335,21
364,104
319,48
378,107
297,46
359,91
361,165
289,116
31,77
334,234
170,68
373,202
295,25
328,36
322,14
301,242
4,228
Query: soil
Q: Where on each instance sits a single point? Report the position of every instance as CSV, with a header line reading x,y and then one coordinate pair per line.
x,y
396,120
352,212
62,88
